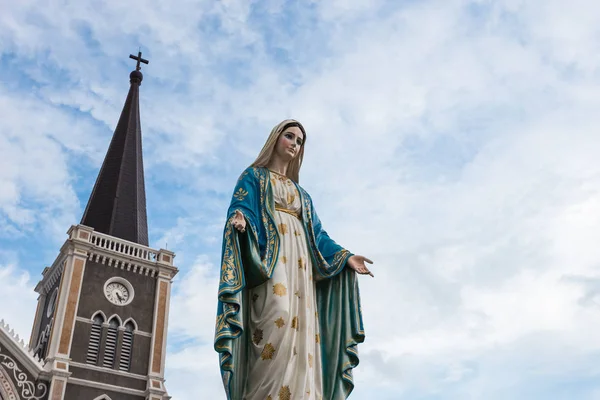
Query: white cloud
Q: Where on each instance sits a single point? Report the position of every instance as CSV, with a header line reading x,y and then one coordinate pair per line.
x,y
19,301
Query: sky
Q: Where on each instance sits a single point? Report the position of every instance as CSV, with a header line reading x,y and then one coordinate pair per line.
x,y
453,142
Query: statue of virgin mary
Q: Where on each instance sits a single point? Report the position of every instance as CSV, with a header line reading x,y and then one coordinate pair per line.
x,y
289,317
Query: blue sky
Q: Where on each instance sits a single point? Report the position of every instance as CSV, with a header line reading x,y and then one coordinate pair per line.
x,y
453,142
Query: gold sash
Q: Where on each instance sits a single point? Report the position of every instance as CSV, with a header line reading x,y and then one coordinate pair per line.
x,y
285,210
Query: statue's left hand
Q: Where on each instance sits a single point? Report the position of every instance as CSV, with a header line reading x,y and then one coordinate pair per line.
x,y
357,263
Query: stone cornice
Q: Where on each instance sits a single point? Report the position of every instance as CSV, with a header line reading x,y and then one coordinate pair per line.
x,y
109,371
120,253
105,386
111,251
51,275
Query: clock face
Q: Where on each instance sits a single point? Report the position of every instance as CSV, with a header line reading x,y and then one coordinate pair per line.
x,y
116,293
51,304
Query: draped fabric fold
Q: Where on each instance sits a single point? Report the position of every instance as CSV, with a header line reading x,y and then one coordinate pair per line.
x,y
248,261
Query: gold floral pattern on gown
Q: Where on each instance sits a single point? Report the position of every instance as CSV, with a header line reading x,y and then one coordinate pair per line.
x,y
268,351
279,289
279,322
288,366
283,229
240,194
257,336
301,263
284,393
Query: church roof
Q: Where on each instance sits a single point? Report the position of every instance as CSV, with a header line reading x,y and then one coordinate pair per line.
x,y
117,205
11,342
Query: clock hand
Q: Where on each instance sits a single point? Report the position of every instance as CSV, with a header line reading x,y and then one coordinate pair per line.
x,y
119,296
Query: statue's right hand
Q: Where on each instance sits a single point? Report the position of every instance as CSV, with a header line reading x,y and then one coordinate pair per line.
x,y
238,221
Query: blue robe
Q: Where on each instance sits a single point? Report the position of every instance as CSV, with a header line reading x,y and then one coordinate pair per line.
x,y
248,260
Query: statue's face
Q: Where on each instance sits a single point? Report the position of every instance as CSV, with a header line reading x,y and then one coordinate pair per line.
x,y
289,143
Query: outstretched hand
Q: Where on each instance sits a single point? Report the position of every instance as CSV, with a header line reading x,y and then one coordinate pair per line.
x,y
238,221
357,263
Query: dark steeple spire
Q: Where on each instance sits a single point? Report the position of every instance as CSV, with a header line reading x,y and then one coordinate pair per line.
x,y
117,205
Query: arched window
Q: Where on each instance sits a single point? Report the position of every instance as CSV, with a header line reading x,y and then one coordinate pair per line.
x,y
94,344
103,397
111,343
126,347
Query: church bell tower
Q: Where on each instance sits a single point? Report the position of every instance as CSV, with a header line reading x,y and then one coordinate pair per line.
x,y
103,306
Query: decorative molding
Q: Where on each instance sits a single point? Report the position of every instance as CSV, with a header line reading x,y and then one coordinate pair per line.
x,y
54,276
142,333
111,251
29,390
105,386
8,391
106,323
44,338
108,370
124,247
16,346
117,262
103,397
135,332
123,254
51,274
91,320
130,319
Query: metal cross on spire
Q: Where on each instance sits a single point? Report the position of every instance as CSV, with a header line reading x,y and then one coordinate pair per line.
x,y
138,59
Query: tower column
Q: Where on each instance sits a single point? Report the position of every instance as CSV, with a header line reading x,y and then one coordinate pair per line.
x,y
37,321
156,369
68,300
57,388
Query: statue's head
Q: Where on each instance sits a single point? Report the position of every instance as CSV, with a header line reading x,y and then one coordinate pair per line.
x,y
286,142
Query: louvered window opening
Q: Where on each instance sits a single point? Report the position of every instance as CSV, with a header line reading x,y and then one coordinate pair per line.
x,y
111,344
126,347
94,343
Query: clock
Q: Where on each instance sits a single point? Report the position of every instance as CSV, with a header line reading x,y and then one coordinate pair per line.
x,y
118,291
52,303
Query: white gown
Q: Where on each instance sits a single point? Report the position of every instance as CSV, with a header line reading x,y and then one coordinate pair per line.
x,y
285,354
